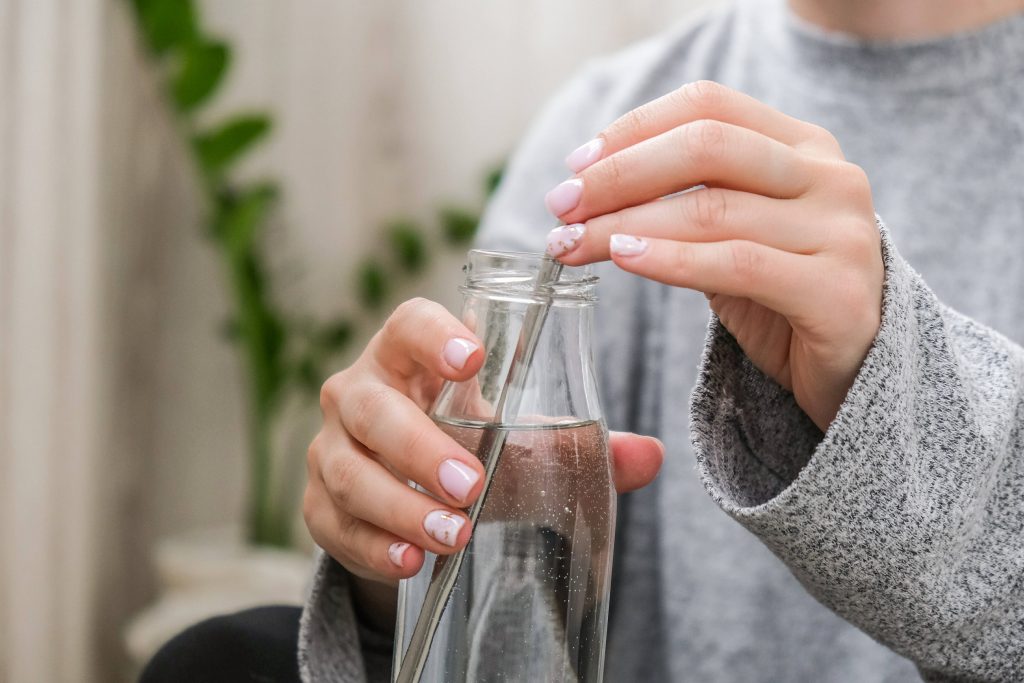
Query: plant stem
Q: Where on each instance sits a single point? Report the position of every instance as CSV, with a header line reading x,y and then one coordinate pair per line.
x,y
265,525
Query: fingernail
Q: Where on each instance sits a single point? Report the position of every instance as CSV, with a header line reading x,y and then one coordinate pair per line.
x,y
627,245
585,155
457,351
444,526
396,553
564,239
457,478
565,197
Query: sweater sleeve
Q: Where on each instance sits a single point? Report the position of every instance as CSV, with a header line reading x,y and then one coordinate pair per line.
x,y
907,516
333,644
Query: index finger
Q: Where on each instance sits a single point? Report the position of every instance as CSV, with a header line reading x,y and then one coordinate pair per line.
x,y
694,102
423,334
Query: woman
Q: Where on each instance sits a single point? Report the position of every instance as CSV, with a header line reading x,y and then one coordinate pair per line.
x,y
867,436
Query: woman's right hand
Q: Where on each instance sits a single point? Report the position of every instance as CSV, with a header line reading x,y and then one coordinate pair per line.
x,y
376,437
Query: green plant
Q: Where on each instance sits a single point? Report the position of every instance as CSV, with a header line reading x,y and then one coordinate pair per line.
x,y
282,352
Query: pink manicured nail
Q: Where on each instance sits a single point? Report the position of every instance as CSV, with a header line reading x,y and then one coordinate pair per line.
x,y
457,352
456,478
564,239
396,553
444,526
585,155
565,197
627,245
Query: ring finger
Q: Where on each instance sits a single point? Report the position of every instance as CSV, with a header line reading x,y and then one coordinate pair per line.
x,y
701,215
363,488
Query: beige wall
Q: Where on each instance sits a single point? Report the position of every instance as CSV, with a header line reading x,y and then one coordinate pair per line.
x,y
384,108
120,410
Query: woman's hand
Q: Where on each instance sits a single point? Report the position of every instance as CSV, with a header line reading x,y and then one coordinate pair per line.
x,y
782,238
376,437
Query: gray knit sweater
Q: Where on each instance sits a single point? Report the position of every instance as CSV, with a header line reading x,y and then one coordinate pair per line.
x,y
905,521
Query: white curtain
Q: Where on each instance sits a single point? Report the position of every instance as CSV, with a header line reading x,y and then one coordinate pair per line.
x,y
50,348
90,176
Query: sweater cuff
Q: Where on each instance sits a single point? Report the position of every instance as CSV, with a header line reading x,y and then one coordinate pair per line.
x,y
755,446
333,644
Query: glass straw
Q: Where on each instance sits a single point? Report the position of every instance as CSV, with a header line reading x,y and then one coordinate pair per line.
x,y
446,567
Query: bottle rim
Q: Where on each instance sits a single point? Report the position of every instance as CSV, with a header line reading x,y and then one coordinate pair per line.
x,y
510,275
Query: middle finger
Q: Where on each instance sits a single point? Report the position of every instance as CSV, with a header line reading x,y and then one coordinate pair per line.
x,y
700,153
390,424
364,489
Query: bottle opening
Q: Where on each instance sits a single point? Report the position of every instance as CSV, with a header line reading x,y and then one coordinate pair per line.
x,y
511,275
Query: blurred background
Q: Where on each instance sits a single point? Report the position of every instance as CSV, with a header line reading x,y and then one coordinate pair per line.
x,y
206,207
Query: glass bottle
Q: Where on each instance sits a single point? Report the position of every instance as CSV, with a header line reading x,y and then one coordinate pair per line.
x,y
530,599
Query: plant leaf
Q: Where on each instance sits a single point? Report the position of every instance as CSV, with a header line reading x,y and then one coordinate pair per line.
x,y
493,179
458,224
372,285
408,245
230,330
219,148
336,335
240,215
309,375
166,24
203,65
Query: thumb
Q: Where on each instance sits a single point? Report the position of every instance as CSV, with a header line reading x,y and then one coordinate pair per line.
x,y
635,459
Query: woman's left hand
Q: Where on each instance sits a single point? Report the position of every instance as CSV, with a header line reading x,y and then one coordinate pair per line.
x,y
782,238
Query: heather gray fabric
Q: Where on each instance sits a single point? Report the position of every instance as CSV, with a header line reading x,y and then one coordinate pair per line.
x,y
906,517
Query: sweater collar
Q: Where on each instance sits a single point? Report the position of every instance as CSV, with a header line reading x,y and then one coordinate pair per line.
x,y
839,61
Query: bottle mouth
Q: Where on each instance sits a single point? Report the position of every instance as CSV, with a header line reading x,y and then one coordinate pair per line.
x,y
511,275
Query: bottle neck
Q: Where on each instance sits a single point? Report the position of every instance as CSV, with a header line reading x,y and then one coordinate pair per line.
x,y
560,382
559,386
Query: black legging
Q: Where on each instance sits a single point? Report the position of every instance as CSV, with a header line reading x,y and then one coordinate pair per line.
x,y
255,646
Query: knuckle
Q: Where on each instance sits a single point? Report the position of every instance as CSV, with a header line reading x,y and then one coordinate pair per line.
x,y
367,408
313,452
397,322
851,181
862,241
342,478
415,442
708,209
376,560
682,257
348,535
410,307
410,318
309,507
613,171
746,262
703,96
705,140
330,392
821,136
854,175
435,317
631,125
